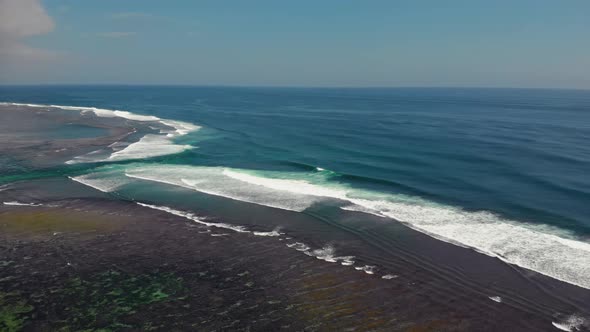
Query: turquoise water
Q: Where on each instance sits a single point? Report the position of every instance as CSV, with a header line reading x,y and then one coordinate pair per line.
x,y
504,171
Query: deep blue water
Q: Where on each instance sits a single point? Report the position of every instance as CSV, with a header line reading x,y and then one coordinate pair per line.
x,y
523,156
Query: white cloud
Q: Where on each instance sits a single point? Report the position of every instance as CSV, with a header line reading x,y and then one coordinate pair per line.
x,y
117,34
20,19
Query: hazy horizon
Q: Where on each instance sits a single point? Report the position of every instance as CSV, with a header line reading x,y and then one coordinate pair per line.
x,y
327,87
373,44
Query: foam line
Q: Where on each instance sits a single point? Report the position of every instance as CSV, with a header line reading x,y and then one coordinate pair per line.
x,y
148,146
274,233
288,185
368,269
188,215
298,246
15,203
104,184
101,112
212,181
148,178
328,254
570,324
546,250
527,246
106,181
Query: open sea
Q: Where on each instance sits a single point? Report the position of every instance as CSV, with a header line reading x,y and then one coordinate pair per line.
x,y
505,172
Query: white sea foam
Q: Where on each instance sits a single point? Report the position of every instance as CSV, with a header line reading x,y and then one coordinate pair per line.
x,y
327,253
180,128
368,269
389,276
97,111
549,254
286,185
357,208
571,324
549,251
15,203
274,233
101,182
298,246
90,157
213,181
347,260
148,146
191,216
524,245
106,181
495,299
23,104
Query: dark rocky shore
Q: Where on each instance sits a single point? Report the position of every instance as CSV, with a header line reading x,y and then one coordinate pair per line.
x,y
102,264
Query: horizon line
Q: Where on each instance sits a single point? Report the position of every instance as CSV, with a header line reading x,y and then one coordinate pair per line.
x,y
292,86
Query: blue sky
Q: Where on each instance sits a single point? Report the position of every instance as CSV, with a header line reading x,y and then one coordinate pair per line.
x,y
524,43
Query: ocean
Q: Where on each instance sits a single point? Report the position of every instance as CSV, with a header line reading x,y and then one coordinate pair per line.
x,y
504,172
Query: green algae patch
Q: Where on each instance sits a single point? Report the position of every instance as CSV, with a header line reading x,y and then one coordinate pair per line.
x,y
49,222
106,301
14,312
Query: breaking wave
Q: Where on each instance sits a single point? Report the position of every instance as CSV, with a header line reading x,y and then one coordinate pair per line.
x,y
150,145
570,324
543,249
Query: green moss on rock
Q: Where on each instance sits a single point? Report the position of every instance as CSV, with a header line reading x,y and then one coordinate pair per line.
x,y
103,301
13,312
